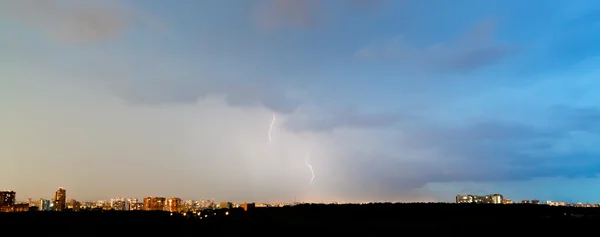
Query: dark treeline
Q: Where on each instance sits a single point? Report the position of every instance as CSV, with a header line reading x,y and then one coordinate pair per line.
x,y
365,220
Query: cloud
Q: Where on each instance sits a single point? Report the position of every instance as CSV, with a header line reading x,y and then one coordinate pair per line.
x,y
488,151
277,14
272,14
75,21
175,83
97,146
473,50
346,118
186,91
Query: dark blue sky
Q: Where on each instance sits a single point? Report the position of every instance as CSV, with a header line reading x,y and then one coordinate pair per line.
x,y
394,100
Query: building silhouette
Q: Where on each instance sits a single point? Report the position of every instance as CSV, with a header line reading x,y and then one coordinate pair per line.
x,y
248,206
60,199
7,198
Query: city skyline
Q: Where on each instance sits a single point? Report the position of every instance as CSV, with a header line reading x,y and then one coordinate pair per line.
x,y
393,100
493,198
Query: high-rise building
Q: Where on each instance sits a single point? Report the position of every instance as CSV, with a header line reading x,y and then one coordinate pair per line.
x,y
7,198
45,205
74,205
465,199
485,199
173,205
118,204
147,203
497,198
60,199
131,204
154,204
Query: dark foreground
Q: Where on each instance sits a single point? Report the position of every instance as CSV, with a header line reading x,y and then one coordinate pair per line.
x,y
313,220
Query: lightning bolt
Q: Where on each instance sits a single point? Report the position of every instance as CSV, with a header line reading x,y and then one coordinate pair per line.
x,y
312,172
271,127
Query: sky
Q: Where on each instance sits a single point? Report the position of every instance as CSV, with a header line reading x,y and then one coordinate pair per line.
x,y
408,100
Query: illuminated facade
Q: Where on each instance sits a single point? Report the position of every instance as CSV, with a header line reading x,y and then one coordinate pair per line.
x,y
45,205
485,199
60,199
119,204
20,207
154,203
173,205
248,206
557,204
227,205
74,205
132,204
465,199
497,198
7,198
15,208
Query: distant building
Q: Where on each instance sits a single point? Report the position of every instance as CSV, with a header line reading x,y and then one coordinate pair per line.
x,y
227,205
507,201
15,208
60,199
248,206
173,205
73,205
497,198
558,204
536,202
525,202
45,205
154,204
119,204
465,199
23,207
482,199
7,198
132,205
486,199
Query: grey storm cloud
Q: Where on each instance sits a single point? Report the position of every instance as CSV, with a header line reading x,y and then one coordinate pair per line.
x,y
489,151
346,118
474,49
183,90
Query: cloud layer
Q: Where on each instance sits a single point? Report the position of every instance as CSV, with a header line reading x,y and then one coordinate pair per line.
x,y
474,49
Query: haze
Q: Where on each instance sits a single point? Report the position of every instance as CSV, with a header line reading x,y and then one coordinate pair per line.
x,y
393,100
